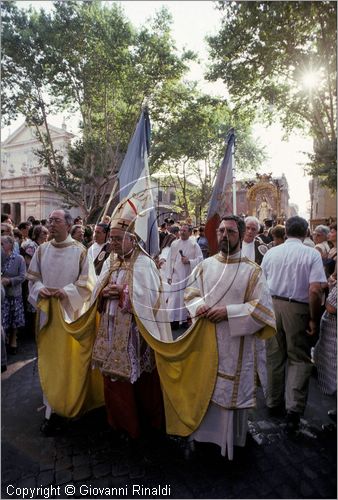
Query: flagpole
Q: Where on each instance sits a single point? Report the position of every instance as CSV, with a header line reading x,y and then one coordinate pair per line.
x,y
234,190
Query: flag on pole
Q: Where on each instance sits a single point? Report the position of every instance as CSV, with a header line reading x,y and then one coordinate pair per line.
x,y
134,182
217,205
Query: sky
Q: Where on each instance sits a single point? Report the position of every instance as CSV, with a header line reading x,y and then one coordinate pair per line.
x,y
192,22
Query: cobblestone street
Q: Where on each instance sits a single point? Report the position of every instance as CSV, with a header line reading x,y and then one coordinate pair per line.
x,y
83,461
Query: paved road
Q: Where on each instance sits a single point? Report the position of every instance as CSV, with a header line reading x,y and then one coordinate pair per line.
x,y
84,461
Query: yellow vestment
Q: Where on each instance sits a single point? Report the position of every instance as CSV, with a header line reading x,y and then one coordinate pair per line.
x,y
64,360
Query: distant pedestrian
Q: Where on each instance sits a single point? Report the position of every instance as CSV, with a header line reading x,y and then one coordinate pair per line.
x,y
183,257
13,271
203,242
294,273
278,236
325,352
77,232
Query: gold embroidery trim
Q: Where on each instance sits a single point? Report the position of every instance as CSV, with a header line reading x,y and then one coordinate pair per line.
x,y
251,284
238,373
262,308
262,320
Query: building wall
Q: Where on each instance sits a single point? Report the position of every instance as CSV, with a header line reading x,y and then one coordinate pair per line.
x,y
24,184
18,156
29,195
323,201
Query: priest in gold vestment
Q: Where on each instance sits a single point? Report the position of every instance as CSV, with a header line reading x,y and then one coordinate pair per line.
x,y
230,291
61,280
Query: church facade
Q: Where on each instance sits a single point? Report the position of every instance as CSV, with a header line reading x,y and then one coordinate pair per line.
x,y
25,189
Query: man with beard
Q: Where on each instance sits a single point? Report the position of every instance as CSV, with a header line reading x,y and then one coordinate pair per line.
x,y
230,291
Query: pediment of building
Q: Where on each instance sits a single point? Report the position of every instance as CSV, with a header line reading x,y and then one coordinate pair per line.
x,y
26,135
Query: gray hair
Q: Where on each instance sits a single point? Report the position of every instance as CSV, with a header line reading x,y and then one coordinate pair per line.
x,y
67,215
252,218
322,229
8,239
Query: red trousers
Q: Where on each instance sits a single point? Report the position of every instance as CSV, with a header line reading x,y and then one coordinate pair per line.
x,y
131,407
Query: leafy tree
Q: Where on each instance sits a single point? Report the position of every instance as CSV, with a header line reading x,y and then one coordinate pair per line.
x,y
267,53
84,57
188,143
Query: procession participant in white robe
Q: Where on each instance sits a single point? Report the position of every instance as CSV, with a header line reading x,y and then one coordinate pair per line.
x,y
61,270
129,287
183,257
162,263
230,290
97,252
252,245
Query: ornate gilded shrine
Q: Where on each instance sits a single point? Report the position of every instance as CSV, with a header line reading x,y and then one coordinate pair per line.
x,y
264,198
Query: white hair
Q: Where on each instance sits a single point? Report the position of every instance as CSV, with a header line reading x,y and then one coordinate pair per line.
x,y
322,229
252,218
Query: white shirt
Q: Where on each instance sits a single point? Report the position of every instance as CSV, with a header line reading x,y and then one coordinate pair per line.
x,y
248,250
290,268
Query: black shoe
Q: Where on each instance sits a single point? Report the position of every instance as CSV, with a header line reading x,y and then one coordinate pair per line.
x,y
276,411
333,415
185,324
292,421
175,325
52,426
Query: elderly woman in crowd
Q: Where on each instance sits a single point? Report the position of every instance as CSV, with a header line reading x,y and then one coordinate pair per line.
x,y
325,352
13,272
39,235
320,236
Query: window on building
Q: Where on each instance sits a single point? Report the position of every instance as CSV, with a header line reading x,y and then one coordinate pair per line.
x,y
160,195
172,197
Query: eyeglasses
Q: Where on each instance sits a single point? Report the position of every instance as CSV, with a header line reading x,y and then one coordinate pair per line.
x,y
54,219
116,238
229,231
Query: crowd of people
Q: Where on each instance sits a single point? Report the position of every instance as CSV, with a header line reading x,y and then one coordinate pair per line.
x,y
132,332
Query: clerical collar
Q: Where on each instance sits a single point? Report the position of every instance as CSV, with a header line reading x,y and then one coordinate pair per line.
x,y
234,257
65,243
